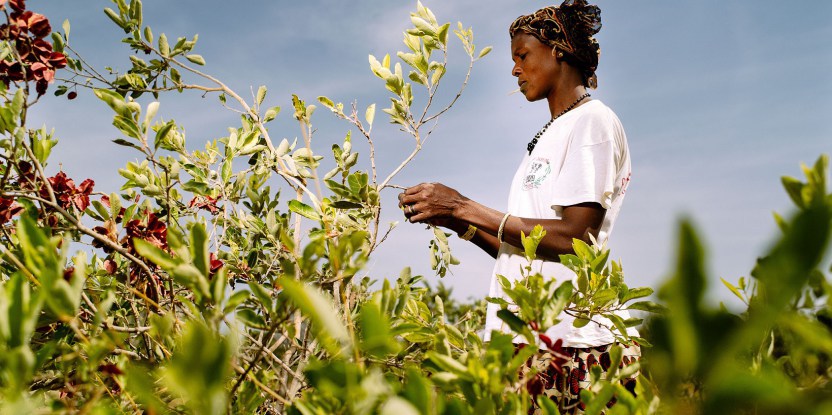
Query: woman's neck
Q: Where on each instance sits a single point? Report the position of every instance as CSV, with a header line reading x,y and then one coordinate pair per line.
x,y
564,97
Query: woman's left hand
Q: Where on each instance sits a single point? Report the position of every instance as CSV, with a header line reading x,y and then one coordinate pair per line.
x,y
431,202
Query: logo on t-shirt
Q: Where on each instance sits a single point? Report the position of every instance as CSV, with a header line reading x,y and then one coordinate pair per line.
x,y
537,171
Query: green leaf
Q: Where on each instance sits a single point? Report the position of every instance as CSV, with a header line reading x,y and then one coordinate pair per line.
x,y
148,34
345,204
685,292
263,295
115,18
304,210
739,390
39,253
136,12
582,250
19,367
448,364
123,142
733,289
370,114
271,114
634,293
196,187
596,404
162,133
164,47
531,242
199,369
19,311
251,318
226,171
329,328
261,94
580,322
443,33
127,126
648,306
375,331
199,248
794,188
516,324
191,277
423,26
418,390
152,109
485,51
547,407
327,102
619,324
196,59
114,100
154,254
236,299
142,387
605,296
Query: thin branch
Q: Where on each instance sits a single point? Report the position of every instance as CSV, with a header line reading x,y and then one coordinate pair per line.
x,y
458,94
257,355
16,262
262,387
404,163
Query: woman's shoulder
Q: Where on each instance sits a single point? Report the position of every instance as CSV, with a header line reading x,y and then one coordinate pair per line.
x,y
595,122
595,111
595,114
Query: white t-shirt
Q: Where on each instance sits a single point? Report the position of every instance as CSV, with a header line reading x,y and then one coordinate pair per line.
x,y
582,157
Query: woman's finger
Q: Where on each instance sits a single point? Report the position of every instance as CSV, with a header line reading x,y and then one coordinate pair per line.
x,y
409,199
420,217
414,189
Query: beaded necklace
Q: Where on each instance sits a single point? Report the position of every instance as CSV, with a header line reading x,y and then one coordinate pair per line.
x,y
533,143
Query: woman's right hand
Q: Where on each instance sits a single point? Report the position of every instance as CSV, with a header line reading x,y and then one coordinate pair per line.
x,y
428,202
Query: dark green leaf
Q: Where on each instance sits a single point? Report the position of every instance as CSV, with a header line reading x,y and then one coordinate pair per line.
x,y
304,210
345,204
251,318
375,331
648,306
154,254
330,329
199,248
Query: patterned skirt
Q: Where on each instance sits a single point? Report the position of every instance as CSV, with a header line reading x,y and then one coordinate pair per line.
x,y
564,386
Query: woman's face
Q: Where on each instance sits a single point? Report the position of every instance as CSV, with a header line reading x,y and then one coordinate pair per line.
x,y
534,66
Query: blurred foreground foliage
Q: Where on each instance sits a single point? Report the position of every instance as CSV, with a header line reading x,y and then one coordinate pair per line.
x,y
196,289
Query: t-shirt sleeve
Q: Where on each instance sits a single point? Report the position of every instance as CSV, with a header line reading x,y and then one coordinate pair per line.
x,y
588,172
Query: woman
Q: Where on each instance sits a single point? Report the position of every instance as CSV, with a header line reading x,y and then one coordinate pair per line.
x,y
571,181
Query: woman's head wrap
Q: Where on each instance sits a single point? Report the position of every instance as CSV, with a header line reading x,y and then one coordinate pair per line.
x,y
569,28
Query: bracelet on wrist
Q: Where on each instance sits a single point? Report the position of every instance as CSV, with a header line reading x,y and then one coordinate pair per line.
x,y
502,225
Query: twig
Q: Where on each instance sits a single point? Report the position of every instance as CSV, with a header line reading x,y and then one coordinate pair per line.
x,y
257,355
263,387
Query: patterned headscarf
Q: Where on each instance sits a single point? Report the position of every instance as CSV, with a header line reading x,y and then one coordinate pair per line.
x,y
569,28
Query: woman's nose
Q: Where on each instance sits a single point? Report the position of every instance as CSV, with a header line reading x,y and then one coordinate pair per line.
x,y
515,71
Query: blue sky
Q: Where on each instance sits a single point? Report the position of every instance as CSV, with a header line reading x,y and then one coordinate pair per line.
x,y
719,99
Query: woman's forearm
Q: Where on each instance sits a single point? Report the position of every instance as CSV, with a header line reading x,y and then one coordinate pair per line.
x,y
579,221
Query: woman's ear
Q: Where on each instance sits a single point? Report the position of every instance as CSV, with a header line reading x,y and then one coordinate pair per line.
x,y
556,53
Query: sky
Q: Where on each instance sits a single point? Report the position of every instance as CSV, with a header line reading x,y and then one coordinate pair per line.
x,y
719,99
